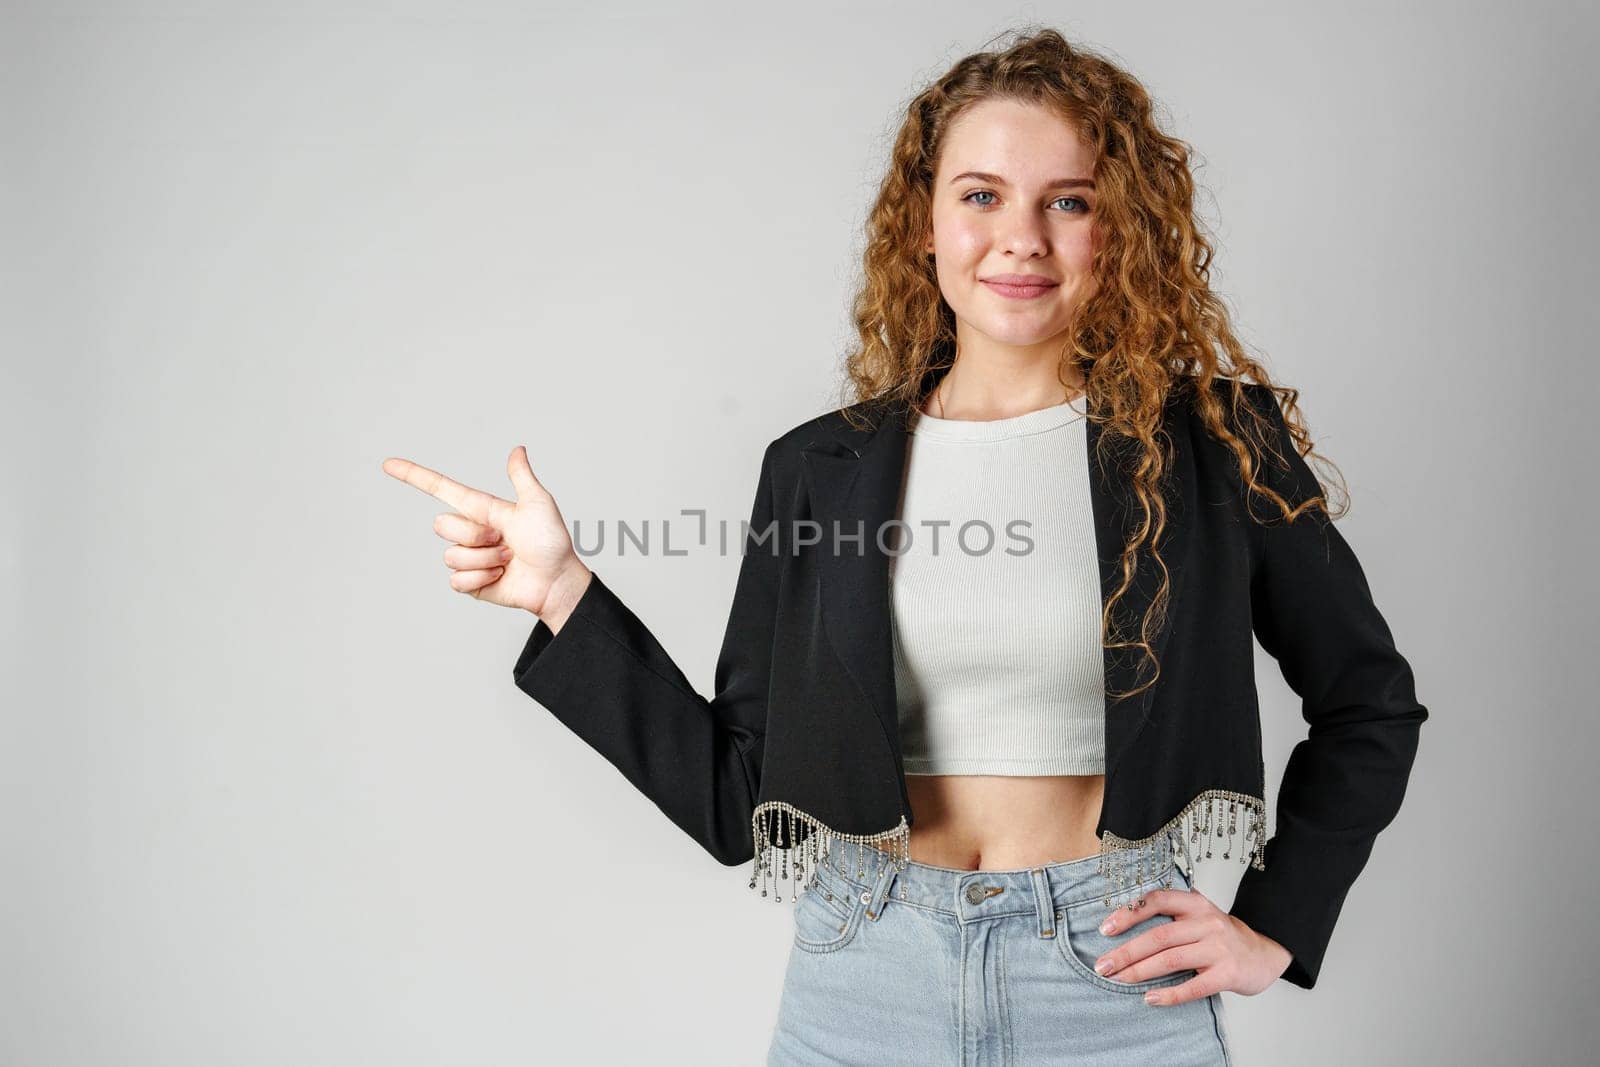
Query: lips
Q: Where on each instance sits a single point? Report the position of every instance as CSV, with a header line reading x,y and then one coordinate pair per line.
x,y
1019,286
1019,279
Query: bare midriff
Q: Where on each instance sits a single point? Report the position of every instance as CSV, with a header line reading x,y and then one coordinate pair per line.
x,y
979,822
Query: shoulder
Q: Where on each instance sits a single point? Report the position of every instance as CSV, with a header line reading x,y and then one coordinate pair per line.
x,y
1264,432
1184,394
1257,419
848,427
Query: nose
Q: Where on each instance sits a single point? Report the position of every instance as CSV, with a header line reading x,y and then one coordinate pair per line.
x,y
1024,236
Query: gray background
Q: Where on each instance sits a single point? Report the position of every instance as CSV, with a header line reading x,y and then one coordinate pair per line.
x,y
269,795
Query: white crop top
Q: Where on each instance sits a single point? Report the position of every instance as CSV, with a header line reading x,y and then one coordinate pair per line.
x,y
995,598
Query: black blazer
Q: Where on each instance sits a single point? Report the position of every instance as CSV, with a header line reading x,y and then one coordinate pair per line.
x,y
799,743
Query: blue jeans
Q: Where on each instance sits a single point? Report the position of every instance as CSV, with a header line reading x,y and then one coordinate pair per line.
x,y
935,965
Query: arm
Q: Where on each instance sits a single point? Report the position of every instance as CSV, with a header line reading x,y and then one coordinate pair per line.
x,y
1313,612
607,678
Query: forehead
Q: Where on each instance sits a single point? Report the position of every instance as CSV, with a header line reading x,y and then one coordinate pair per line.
x,y
1016,140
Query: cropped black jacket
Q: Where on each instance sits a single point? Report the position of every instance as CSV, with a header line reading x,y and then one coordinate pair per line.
x,y
799,745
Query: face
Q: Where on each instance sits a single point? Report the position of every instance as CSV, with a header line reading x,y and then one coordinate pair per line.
x,y
1013,195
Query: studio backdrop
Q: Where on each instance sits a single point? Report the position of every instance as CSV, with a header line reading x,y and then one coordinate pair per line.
x,y
271,796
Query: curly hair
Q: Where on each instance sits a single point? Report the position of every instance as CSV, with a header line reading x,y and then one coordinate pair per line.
x,y
1151,326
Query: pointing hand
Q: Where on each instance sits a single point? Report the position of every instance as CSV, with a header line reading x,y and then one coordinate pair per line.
x,y
511,553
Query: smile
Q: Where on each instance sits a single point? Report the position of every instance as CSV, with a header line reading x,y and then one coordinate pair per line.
x,y
1020,292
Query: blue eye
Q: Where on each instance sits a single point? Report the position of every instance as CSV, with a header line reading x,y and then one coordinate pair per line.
x,y
1083,205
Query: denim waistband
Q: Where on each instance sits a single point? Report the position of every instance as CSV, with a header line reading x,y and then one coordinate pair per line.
x,y
871,874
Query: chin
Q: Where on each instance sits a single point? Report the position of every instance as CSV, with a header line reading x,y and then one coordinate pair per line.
x,y
1020,334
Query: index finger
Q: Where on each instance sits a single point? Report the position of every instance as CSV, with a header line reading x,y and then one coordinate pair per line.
x,y
473,503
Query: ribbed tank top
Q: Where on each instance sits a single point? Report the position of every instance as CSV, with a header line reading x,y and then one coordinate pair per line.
x,y
995,598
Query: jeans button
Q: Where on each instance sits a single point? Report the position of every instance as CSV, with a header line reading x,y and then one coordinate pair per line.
x,y
974,893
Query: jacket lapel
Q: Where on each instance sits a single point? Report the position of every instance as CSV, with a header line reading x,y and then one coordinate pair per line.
x,y
1116,514
854,487
854,483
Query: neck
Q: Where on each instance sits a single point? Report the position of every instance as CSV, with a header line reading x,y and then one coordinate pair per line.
x,y
971,391
991,380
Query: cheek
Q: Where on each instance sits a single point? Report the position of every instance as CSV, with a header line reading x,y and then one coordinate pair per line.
x,y
960,242
1077,250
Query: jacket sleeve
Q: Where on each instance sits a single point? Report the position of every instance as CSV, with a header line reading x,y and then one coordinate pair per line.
x,y
608,679
1313,612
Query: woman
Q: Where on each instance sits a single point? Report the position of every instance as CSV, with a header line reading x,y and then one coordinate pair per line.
x,y
960,758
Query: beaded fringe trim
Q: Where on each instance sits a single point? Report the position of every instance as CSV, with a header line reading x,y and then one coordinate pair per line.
x,y
800,864
1205,815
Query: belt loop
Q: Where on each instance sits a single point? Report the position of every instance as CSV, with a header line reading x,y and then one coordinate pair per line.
x,y
880,888
1043,902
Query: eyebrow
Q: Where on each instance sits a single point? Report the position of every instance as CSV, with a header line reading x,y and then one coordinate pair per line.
x,y
995,179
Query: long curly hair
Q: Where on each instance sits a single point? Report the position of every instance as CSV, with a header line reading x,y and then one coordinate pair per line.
x,y
1151,326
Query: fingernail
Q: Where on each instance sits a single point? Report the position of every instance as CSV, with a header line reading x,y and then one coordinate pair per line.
x,y
1101,967
1105,927
1151,998
505,553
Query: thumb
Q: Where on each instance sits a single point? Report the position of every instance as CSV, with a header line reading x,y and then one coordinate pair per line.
x,y
522,477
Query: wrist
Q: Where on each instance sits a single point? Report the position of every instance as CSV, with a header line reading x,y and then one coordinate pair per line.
x,y
1280,955
566,589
